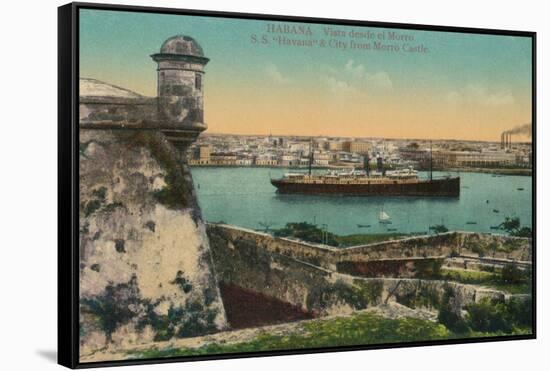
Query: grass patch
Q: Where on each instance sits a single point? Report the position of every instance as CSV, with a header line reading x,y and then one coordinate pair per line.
x,y
312,233
360,329
490,279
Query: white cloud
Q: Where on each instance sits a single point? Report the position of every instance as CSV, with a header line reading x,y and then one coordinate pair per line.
x,y
355,70
481,95
338,86
380,79
276,75
355,77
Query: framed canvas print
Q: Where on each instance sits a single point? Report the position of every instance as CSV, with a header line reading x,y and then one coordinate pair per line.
x,y
238,185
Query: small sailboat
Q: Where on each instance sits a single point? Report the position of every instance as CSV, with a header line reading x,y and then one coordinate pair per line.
x,y
384,218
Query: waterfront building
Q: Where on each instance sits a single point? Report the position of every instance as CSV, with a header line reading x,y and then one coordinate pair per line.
x,y
356,147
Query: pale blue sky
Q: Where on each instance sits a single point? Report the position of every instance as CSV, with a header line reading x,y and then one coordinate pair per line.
x,y
115,47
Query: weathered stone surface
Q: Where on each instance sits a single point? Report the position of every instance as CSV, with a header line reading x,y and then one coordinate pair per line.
x,y
305,275
145,271
473,245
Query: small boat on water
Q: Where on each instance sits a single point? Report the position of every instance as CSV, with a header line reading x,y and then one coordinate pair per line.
x,y
496,210
363,225
471,222
520,189
392,229
495,227
383,218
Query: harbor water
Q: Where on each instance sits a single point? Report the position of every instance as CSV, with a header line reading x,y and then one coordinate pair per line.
x,y
244,196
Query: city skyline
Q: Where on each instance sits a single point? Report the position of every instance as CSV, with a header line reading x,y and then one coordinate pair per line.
x,y
362,138
465,87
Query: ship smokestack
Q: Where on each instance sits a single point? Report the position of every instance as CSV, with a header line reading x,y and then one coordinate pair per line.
x,y
366,160
502,144
510,140
379,163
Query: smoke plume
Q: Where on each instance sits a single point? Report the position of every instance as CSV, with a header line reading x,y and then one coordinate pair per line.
x,y
524,129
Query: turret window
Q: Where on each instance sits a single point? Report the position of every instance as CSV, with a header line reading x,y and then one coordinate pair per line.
x,y
198,81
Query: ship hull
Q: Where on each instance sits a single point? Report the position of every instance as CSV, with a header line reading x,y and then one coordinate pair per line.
x,y
449,187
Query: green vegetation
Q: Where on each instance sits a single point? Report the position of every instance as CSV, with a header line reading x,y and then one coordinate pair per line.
x,y
368,328
312,233
191,319
510,278
425,296
439,228
487,316
116,306
307,232
492,248
98,197
428,268
97,202
182,282
362,328
122,303
91,207
449,313
175,193
514,228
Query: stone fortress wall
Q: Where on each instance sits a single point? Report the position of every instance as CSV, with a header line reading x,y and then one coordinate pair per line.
x,y
314,278
146,271
489,247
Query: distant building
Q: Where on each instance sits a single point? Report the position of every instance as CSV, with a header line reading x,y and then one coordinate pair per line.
x,y
473,159
414,154
335,145
205,151
267,159
245,161
299,147
321,158
356,147
223,158
304,161
290,160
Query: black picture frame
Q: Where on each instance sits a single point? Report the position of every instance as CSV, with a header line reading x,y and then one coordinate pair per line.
x,y
68,179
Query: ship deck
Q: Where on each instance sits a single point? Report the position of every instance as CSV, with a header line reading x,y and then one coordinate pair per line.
x,y
349,180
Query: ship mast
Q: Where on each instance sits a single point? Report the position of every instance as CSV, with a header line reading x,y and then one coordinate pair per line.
x,y
431,162
310,154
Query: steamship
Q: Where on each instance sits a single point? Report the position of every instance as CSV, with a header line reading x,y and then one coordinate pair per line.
x,y
364,182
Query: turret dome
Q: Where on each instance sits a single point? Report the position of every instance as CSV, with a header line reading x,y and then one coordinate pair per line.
x,y
182,45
